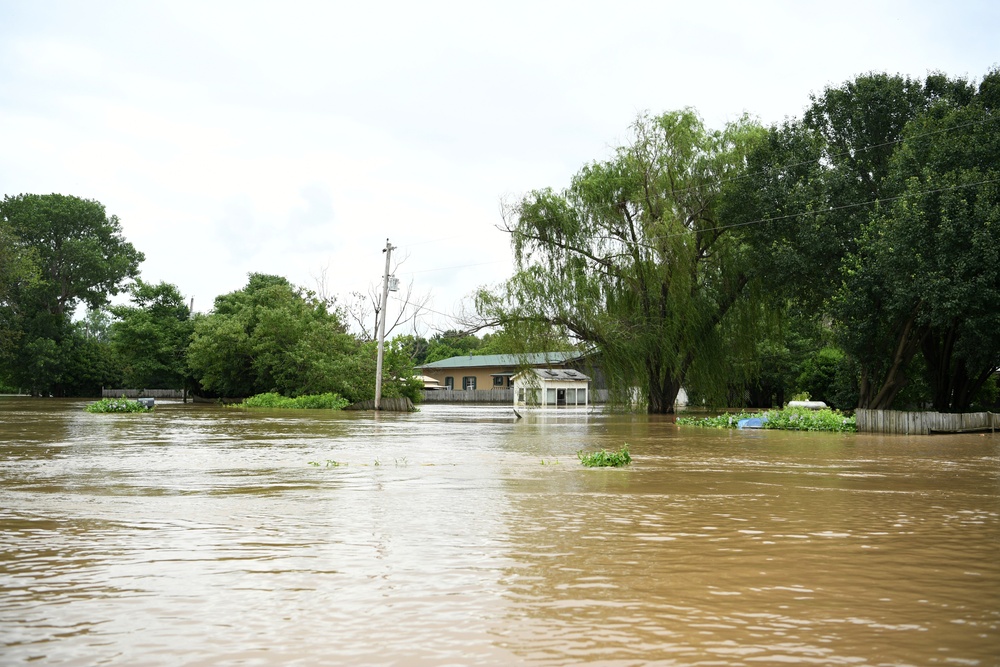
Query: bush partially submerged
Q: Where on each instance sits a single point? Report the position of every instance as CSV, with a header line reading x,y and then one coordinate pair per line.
x,y
329,401
787,419
606,459
117,405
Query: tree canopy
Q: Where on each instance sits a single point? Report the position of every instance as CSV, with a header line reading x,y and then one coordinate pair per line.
x,y
875,209
150,336
633,260
926,275
274,336
74,254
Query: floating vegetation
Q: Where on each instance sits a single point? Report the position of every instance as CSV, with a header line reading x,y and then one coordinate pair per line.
x,y
117,405
328,401
606,459
787,419
330,463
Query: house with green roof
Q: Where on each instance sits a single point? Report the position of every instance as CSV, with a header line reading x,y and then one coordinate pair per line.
x,y
492,372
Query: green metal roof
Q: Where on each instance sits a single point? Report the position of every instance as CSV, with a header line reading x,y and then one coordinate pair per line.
x,y
510,360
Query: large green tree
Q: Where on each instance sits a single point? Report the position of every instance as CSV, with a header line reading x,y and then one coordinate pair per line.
x,y
17,270
926,276
80,258
274,336
151,335
634,261
818,202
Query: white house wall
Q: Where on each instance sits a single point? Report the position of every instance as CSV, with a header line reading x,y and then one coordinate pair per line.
x,y
543,386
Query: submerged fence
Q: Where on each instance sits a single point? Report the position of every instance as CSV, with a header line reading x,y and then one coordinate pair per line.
x,y
494,396
136,393
386,405
923,423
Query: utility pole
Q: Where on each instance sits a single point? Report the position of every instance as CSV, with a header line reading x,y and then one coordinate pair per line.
x,y
381,325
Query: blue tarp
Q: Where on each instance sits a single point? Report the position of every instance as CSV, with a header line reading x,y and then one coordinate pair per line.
x,y
752,422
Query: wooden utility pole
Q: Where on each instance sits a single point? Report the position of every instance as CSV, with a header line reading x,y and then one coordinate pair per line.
x,y
381,325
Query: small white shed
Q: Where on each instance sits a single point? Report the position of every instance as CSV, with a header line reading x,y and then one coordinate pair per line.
x,y
551,388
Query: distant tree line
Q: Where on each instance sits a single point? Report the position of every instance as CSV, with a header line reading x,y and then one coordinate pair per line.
x,y
852,254
62,252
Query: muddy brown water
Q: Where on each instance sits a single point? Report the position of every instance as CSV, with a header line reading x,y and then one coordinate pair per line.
x,y
198,535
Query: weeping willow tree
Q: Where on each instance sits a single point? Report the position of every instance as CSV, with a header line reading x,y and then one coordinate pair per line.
x,y
632,261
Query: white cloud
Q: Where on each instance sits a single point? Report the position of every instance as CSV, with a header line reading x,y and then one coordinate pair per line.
x,y
233,137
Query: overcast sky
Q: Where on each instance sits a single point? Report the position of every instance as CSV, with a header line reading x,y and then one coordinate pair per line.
x,y
294,138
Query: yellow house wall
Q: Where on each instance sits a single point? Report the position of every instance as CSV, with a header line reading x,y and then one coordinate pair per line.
x,y
484,376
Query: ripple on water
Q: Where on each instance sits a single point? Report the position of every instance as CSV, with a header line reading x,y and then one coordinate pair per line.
x,y
459,536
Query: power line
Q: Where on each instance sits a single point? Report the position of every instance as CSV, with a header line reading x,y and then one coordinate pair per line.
x,y
833,208
722,181
452,268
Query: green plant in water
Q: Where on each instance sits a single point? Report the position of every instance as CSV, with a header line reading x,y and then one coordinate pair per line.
x,y
788,419
606,459
117,405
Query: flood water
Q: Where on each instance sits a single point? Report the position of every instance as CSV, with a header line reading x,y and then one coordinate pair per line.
x,y
198,535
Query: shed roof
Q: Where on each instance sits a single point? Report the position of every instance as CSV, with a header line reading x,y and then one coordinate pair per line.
x,y
558,374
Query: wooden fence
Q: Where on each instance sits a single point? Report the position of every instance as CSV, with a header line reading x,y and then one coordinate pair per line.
x,y
385,405
491,396
923,423
136,393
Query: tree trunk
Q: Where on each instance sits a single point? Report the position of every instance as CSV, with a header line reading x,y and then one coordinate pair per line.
x,y
953,384
879,393
662,396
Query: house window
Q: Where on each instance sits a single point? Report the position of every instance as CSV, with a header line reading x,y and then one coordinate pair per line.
x,y
550,396
449,383
469,382
520,395
498,381
581,396
571,397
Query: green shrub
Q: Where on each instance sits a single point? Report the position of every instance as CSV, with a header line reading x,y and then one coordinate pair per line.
x,y
788,419
117,405
328,401
605,459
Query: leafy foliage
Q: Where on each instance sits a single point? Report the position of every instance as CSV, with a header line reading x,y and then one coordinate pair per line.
x,y
328,401
632,261
269,336
605,459
151,336
925,278
117,405
274,337
877,210
787,419
67,252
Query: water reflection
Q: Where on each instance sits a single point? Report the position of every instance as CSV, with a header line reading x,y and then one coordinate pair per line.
x,y
198,535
